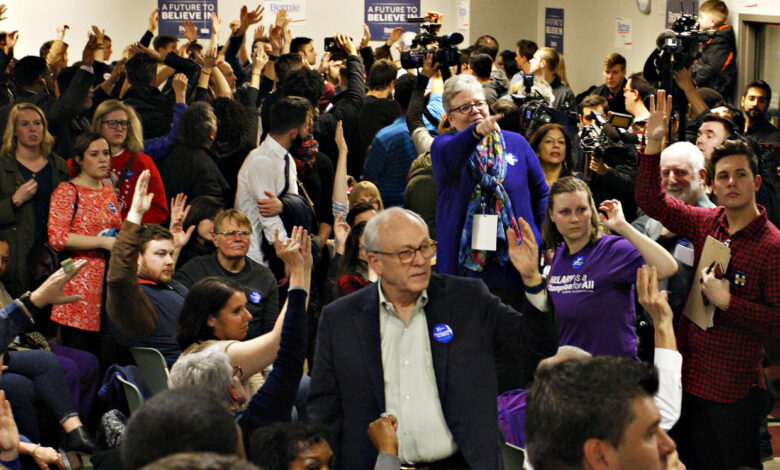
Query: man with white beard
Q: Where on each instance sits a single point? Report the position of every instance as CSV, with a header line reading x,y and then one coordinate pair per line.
x,y
683,177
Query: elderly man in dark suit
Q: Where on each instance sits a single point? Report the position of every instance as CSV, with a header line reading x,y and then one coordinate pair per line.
x,y
421,348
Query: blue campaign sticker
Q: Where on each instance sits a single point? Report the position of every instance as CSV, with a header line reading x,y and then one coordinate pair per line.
x,y
442,333
255,297
578,262
129,174
111,207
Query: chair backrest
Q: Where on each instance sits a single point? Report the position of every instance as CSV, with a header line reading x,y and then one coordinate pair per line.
x,y
133,395
153,368
513,457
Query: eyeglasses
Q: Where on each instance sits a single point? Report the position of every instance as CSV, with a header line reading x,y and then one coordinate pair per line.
x,y
463,109
233,233
237,372
427,250
113,124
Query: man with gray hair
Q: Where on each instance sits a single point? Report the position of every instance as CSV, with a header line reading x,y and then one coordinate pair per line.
x,y
683,177
420,347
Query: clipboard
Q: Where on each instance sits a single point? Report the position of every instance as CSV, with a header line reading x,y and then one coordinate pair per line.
x,y
713,252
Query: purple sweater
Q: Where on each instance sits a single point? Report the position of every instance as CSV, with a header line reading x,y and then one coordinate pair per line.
x,y
524,183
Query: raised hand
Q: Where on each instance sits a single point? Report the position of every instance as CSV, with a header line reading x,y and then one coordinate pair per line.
x,y
342,40
434,16
216,25
341,142
142,200
289,250
614,218
366,36
429,68
341,231
276,34
189,31
210,59
154,20
249,18
525,256
61,32
395,36
3,11
93,44
281,19
259,32
10,40
305,249
179,211
259,59
140,48
655,301
657,126
179,86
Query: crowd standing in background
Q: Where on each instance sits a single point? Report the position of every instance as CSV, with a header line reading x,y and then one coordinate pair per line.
x,y
342,261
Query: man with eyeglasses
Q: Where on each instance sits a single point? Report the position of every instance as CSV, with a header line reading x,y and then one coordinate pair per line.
x,y
420,347
232,231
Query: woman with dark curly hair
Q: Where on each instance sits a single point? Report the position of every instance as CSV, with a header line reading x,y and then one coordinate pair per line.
x,y
292,446
190,166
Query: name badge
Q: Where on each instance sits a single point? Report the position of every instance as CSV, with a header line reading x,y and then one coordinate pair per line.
x,y
255,297
683,254
483,232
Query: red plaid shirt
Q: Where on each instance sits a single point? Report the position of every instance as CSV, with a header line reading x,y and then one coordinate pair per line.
x,y
723,362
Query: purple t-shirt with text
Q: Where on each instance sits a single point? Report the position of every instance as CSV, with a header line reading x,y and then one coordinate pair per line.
x,y
593,294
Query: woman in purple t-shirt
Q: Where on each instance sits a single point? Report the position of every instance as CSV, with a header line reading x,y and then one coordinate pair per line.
x,y
592,273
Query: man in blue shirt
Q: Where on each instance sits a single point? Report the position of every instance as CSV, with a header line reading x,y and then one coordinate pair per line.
x,y
392,151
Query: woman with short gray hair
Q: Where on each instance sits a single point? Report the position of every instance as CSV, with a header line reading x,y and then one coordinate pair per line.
x,y
481,170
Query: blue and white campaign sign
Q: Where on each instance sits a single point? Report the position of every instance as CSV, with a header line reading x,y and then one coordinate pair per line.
x,y
382,16
296,10
175,12
553,28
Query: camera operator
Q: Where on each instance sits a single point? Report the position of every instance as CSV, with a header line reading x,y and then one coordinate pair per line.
x,y
610,161
548,64
637,92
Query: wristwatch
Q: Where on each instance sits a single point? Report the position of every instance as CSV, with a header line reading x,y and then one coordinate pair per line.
x,y
25,299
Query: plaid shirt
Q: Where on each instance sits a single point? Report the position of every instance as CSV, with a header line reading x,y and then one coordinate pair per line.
x,y
722,363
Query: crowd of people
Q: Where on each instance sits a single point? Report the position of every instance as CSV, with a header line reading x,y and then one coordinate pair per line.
x,y
348,264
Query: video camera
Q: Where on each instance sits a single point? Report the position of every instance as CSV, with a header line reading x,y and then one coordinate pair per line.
x,y
535,110
676,48
445,54
608,140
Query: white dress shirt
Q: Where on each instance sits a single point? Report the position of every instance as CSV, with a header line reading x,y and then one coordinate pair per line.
x,y
411,394
263,170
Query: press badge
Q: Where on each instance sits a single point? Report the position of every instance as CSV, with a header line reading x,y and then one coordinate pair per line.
x,y
684,253
483,232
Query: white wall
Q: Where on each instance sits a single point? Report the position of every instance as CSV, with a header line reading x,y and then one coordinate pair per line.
x,y
508,21
126,20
